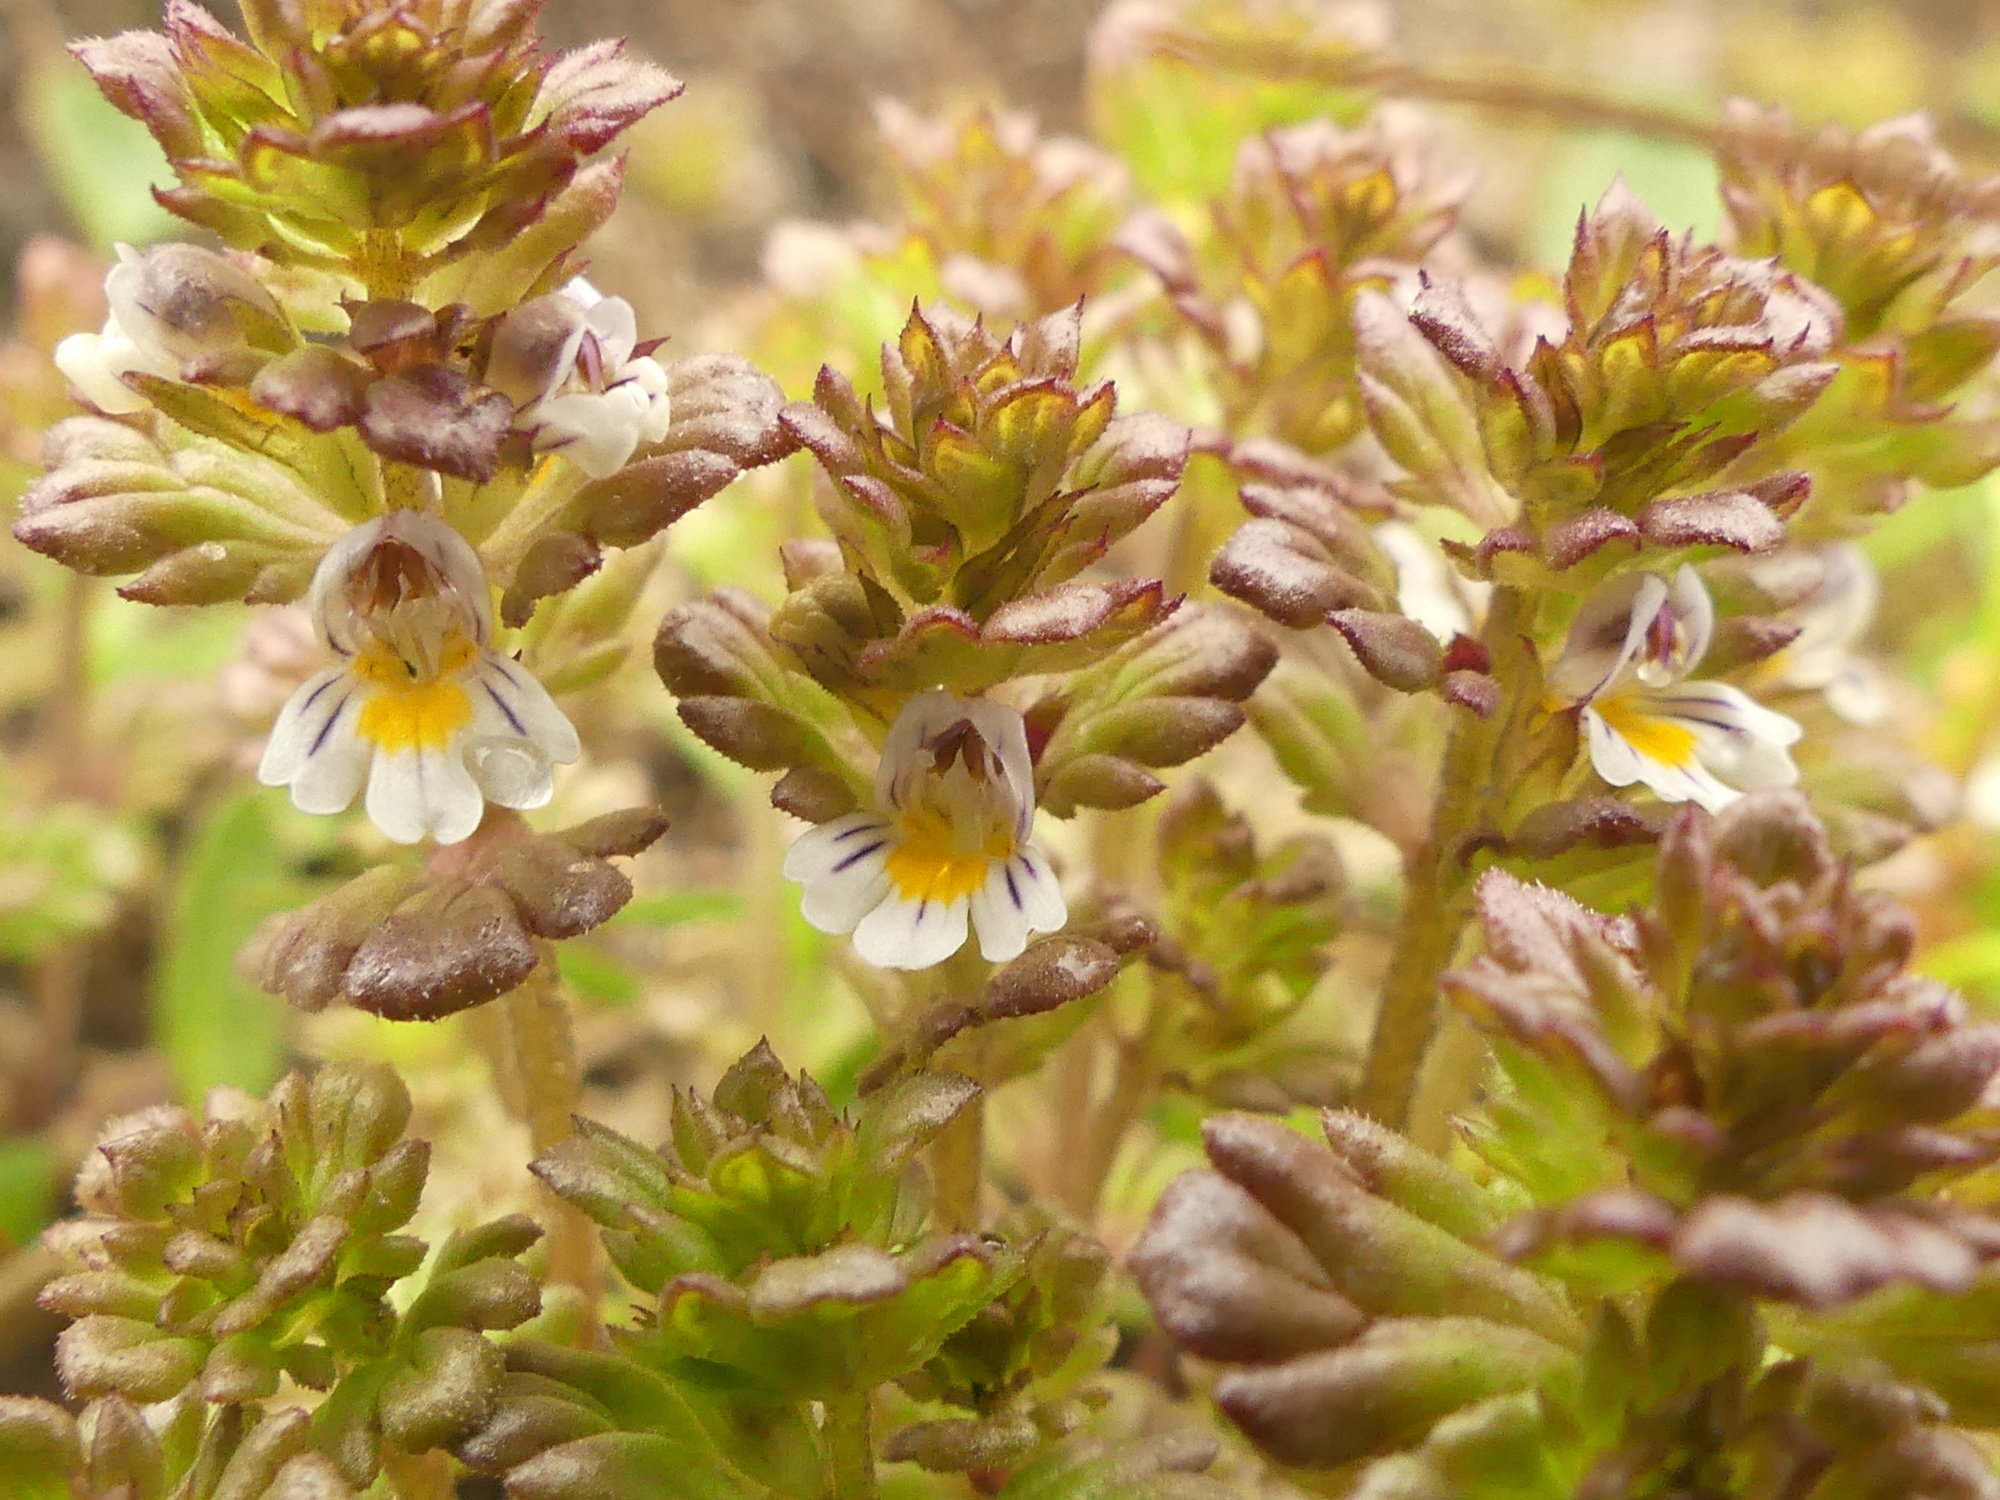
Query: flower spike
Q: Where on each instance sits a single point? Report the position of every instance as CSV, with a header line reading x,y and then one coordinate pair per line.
x,y
420,707
948,842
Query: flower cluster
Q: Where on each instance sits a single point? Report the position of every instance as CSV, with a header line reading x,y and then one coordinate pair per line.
x,y
1314,218
221,1256
1766,1079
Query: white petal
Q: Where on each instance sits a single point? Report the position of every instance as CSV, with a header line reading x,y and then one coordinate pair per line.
x,y
901,934
1719,706
1613,759
1003,728
922,717
1694,620
821,849
597,433
843,866
415,792
616,326
1609,630
451,554
300,722
1620,764
509,690
330,577
314,748
837,901
1737,745
1858,694
329,782
1039,890
510,771
93,362
1001,921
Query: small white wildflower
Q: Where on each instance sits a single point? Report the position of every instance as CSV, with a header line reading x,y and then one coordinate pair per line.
x,y
947,844
420,707
1428,589
1625,665
168,304
603,399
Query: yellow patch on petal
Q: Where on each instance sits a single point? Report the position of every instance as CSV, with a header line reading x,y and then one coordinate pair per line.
x,y
418,716
1662,740
927,864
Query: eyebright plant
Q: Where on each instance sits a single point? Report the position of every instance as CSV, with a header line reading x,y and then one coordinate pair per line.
x,y
1522,619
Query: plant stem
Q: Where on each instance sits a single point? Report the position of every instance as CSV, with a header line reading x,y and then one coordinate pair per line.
x,y
406,487
1133,1082
1502,92
1437,899
958,1164
545,1062
958,1158
62,968
850,1446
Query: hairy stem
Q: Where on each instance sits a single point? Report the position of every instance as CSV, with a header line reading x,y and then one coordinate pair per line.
x,y
850,1446
387,270
958,1159
958,1164
545,1064
1437,899
406,487
1089,1132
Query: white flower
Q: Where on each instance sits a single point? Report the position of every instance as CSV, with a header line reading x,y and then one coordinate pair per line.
x,y
131,341
167,304
420,707
1428,589
955,800
1832,620
603,400
1624,665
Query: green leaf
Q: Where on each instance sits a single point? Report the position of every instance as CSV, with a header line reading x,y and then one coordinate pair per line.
x,y
214,1026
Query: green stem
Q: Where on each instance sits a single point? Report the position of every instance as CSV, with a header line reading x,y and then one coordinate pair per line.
x,y
958,1158
850,1446
406,487
1437,900
551,1080
958,1164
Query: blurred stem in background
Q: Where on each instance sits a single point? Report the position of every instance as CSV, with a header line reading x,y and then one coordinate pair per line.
x,y
59,975
1505,91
